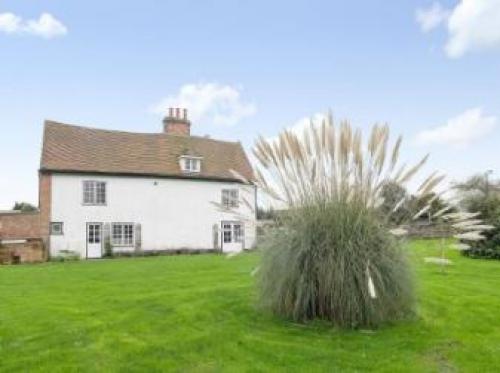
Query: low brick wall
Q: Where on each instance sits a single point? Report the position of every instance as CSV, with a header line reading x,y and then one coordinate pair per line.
x,y
20,238
19,225
22,251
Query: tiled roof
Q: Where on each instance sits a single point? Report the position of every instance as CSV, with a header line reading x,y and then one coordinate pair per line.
x,y
68,148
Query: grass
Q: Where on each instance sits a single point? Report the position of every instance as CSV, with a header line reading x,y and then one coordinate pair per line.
x,y
197,313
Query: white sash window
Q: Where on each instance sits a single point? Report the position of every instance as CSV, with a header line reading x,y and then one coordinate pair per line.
x,y
122,234
94,192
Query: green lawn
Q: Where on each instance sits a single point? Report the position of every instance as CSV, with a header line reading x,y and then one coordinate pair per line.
x,y
197,313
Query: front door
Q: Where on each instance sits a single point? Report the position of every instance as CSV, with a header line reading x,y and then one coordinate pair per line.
x,y
233,236
94,240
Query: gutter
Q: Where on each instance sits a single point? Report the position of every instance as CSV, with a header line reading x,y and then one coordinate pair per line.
x,y
135,174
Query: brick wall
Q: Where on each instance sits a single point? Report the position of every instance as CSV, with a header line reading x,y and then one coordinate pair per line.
x,y
177,128
32,228
19,225
30,251
44,202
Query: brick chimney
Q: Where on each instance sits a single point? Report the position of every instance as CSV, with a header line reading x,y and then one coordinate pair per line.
x,y
176,123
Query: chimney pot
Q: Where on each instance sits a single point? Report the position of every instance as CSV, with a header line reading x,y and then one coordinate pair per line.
x,y
175,123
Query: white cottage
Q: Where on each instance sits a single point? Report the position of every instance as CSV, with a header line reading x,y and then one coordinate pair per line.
x,y
137,192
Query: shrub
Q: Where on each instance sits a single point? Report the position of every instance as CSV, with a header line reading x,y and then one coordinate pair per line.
x,y
480,194
66,256
320,263
333,256
24,207
108,249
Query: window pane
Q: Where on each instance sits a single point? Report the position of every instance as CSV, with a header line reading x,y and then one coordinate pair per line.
x,y
94,192
227,236
190,164
101,193
56,228
97,234
225,198
88,192
226,232
123,234
91,234
128,234
238,232
230,198
117,234
234,198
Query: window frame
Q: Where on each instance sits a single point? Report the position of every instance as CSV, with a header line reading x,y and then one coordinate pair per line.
x,y
190,164
95,236
232,232
227,232
123,241
230,198
238,232
56,223
99,189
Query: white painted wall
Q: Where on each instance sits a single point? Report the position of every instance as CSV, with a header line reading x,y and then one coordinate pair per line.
x,y
173,213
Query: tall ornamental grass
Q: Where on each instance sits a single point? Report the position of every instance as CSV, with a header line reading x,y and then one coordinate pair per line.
x,y
332,254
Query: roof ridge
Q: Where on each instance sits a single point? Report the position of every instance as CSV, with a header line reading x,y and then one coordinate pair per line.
x,y
57,123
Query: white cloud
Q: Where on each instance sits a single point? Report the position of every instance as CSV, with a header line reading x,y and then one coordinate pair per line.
x,y
46,26
432,17
9,23
459,131
300,125
219,104
472,25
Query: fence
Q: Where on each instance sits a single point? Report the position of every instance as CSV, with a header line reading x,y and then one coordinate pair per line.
x,y
418,230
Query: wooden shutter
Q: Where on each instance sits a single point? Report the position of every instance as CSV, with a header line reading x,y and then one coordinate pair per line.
x,y
106,233
138,237
215,233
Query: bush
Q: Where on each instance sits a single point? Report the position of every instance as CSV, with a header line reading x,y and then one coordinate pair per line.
x,y
66,256
332,254
480,194
481,252
318,266
108,249
24,207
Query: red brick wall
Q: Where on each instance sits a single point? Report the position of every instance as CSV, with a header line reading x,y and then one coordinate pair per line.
x,y
177,128
32,226
28,252
44,202
19,225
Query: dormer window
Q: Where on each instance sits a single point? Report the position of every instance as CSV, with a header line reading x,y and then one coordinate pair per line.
x,y
190,163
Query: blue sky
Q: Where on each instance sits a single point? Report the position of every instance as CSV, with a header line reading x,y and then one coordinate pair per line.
x,y
250,68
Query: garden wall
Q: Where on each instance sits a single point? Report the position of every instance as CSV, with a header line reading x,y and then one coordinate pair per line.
x,y
19,225
20,239
22,251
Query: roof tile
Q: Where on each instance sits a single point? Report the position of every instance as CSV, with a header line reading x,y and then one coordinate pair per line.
x,y
68,148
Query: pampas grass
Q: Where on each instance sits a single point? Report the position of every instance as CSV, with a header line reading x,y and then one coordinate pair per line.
x,y
335,262
333,256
